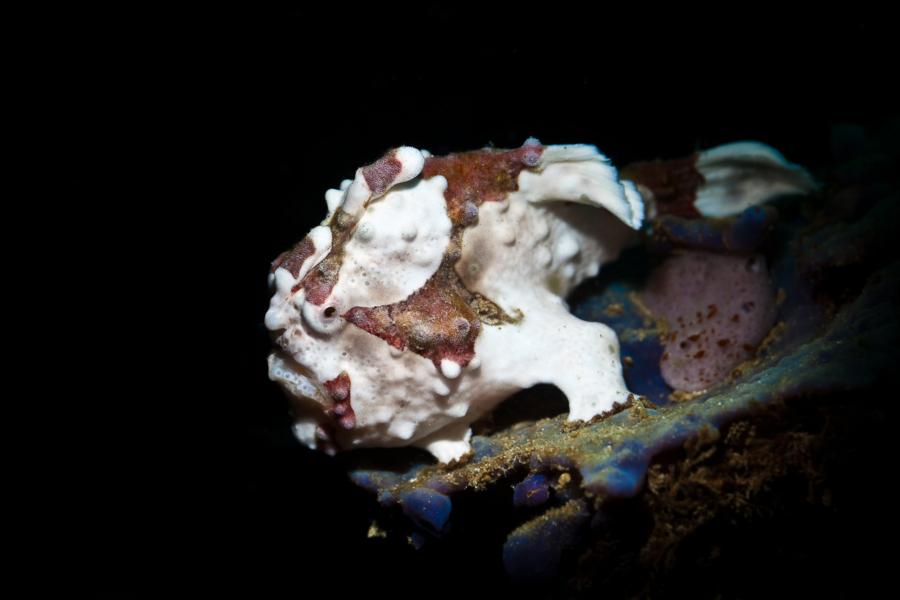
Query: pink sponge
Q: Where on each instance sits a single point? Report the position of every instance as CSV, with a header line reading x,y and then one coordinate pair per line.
x,y
719,308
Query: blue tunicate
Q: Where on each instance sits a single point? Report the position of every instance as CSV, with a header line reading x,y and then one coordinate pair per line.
x,y
750,229
534,490
426,508
743,233
483,447
532,552
641,371
622,475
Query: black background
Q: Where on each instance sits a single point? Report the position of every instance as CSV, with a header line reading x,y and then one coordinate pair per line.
x,y
216,493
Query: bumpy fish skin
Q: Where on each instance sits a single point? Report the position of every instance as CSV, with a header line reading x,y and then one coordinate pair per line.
x,y
435,289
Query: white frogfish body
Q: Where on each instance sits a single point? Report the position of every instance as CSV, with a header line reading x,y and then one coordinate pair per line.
x,y
435,289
